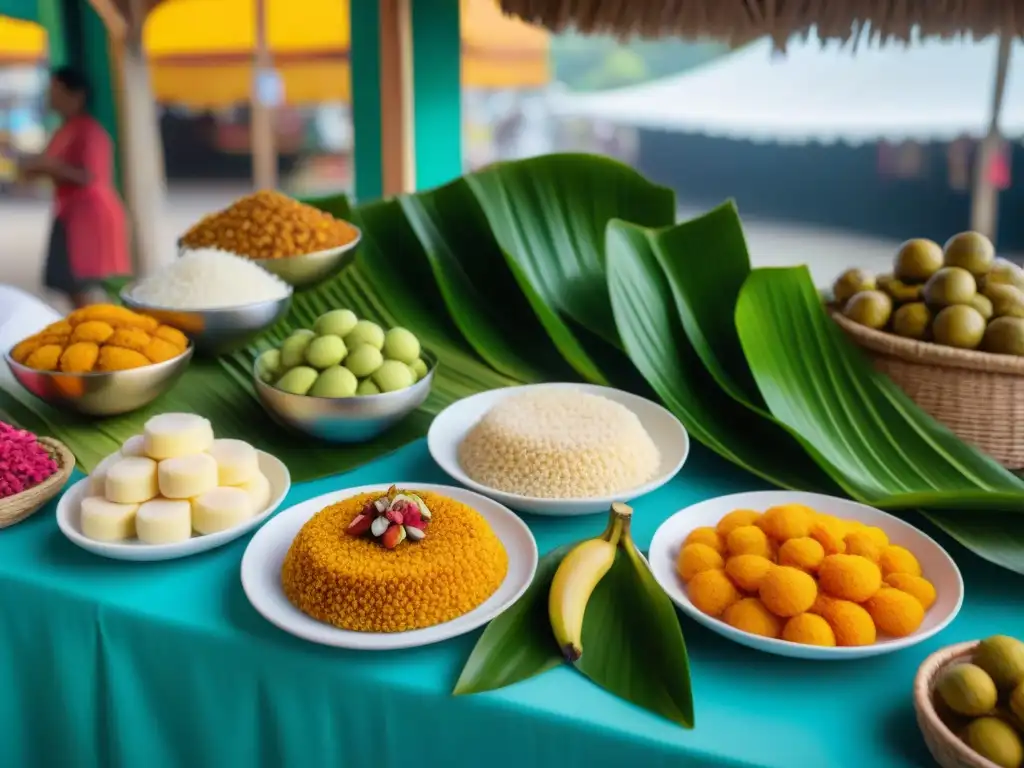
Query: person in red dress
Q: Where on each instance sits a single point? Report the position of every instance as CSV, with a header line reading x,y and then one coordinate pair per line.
x,y
89,238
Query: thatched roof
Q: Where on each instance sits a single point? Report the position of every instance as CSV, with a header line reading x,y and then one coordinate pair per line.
x,y
738,21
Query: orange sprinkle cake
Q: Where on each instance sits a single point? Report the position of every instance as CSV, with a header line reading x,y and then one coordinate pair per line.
x,y
393,562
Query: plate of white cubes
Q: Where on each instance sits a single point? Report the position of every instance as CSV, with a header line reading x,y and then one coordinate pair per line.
x,y
172,491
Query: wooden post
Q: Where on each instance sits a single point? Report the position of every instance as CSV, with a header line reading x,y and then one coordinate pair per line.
x,y
264,152
398,163
984,195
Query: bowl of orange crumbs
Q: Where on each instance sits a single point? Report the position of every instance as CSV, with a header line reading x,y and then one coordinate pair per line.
x,y
806,575
301,244
101,360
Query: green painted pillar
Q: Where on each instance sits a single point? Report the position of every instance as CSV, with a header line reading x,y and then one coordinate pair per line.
x,y
364,52
51,18
437,90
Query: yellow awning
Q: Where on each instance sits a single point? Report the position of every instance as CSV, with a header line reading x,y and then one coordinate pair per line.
x,y
21,42
200,50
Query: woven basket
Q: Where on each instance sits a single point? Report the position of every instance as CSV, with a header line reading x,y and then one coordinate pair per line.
x,y
16,508
948,750
978,395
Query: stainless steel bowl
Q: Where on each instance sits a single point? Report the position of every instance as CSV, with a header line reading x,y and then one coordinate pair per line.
x,y
103,393
216,331
344,419
309,269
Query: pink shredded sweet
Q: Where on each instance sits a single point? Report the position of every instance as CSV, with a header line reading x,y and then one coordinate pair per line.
x,y
24,463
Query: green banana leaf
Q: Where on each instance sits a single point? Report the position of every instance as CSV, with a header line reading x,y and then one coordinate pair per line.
x,y
816,382
994,536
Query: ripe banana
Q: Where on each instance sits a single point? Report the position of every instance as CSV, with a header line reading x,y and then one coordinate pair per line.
x,y
577,576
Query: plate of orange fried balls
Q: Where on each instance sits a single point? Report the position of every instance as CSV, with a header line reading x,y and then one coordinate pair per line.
x,y
806,575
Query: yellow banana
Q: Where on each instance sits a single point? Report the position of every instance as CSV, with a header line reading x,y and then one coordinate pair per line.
x,y
577,576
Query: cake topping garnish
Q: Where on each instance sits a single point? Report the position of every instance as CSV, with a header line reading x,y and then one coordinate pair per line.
x,y
392,518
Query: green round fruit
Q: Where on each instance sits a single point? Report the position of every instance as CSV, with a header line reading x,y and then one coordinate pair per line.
x,y
1005,336
912,321
293,349
870,308
393,376
1005,272
335,382
967,689
268,365
401,345
995,740
983,304
971,251
948,286
367,387
325,351
1007,301
363,360
365,332
850,282
337,322
917,260
419,368
297,381
959,326
1003,658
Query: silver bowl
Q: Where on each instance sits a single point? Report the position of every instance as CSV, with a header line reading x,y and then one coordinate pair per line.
x,y
104,393
216,331
344,419
308,269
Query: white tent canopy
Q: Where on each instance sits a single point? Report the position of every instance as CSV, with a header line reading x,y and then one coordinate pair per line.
x,y
931,91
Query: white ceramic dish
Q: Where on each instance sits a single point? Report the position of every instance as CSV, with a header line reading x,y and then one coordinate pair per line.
x,y
69,522
937,566
261,573
451,425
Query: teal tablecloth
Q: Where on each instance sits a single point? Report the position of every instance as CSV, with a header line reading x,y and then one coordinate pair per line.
x,y
165,665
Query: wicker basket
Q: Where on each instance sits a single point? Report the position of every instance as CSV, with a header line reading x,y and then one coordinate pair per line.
x,y
978,395
948,750
16,508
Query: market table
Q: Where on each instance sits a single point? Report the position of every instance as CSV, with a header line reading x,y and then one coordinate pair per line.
x,y
166,664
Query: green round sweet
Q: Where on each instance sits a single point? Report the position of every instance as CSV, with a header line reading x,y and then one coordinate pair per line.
x,y
419,368
363,360
335,382
268,365
297,381
393,376
325,351
367,387
365,332
293,349
401,345
337,322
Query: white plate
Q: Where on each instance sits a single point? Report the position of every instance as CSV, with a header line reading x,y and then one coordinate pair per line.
x,y
451,425
69,522
261,573
937,566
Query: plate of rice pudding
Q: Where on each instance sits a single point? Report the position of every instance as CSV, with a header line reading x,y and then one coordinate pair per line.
x,y
558,449
383,567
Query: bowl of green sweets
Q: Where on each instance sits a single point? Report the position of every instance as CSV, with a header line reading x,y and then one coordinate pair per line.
x,y
346,380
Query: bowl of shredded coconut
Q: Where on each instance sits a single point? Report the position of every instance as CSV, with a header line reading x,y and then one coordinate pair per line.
x,y
220,300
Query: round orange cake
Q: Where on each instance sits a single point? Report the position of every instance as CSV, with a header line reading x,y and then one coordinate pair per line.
x,y
356,584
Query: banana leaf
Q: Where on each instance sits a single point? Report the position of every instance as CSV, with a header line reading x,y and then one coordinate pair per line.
x,y
654,339
548,216
817,383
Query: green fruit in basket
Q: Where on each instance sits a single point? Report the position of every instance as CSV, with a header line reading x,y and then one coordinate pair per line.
x,y
983,304
967,689
901,292
293,349
912,321
1005,272
337,322
363,360
297,381
995,740
393,376
948,286
1003,658
419,368
367,387
1007,301
917,260
401,345
1004,336
302,333
850,282
971,251
325,351
870,308
335,382
365,332
268,365
959,326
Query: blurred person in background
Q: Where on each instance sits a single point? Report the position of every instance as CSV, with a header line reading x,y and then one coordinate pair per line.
x,y
89,237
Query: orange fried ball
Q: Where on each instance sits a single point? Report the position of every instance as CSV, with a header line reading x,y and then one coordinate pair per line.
x,y
711,592
804,553
694,558
748,540
750,615
787,591
809,629
269,225
707,536
895,612
735,519
898,560
917,586
787,521
849,577
747,571
851,624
